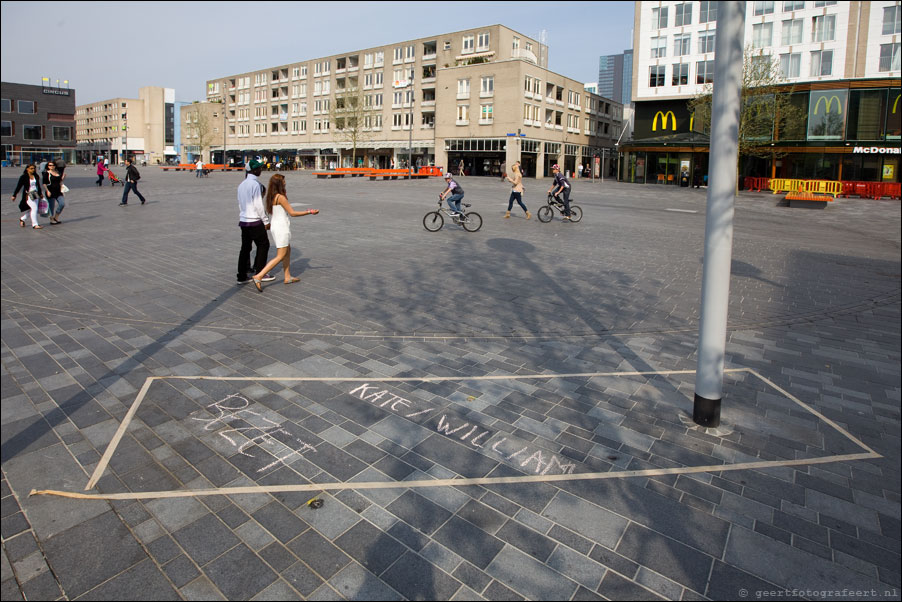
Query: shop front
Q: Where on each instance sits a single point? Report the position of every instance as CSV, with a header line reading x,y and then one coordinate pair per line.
x,y
479,156
849,132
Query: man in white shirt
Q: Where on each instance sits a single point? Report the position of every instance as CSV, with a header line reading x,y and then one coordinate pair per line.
x,y
199,167
254,222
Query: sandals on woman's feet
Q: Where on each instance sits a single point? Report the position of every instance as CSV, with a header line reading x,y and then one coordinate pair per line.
x,y
293,280
258,284
21,223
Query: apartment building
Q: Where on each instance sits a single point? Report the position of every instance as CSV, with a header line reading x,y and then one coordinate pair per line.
x,y
480,97
840,61
38,123
143,127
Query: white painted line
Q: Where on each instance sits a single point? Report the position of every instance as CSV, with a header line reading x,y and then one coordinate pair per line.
x,y
101,467
457,482
682,210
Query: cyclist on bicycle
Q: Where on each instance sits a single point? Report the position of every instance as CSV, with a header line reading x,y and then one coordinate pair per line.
x,y
454,194
561,184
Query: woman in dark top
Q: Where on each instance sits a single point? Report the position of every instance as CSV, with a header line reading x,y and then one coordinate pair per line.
x,y
53,184
30,185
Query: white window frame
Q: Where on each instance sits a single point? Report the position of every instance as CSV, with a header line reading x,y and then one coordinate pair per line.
x,y
463,89
763,8
468,44
659,17
817,63
823,26
487,86
682,44
892,20
762,35
463,115
486,114
792,32
659,47
483,41
682,14
791,65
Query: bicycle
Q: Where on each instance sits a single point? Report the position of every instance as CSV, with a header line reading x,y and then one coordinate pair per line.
x,y
546,212
433,221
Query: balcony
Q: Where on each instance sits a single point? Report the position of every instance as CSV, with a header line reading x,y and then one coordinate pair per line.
x,y
528,55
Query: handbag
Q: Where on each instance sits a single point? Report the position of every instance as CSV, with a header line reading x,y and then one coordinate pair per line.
x,y
43,208
64,189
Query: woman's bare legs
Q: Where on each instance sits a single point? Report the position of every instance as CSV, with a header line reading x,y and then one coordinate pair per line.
x,y
281,254
286,267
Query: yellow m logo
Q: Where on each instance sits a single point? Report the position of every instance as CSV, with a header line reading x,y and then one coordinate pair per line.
x,y
896,104
664,117
828,103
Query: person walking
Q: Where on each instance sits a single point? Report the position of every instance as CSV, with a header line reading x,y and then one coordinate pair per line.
x,y
100,171
516,180
460,168
53,190
131,182
279,209
199,168
253,222
30,185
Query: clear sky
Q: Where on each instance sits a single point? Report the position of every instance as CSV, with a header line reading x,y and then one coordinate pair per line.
x,y
110,49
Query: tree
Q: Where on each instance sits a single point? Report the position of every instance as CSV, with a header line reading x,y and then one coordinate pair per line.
x,y
767,113
351,118
199,126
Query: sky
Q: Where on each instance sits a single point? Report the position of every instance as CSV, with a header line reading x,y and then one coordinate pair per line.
x,y
111,49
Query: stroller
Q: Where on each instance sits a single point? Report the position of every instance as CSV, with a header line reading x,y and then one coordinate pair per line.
x,y
113,179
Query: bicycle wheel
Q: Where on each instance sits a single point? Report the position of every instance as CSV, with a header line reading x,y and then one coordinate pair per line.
x,y
473,222
545,213
576,213
433,221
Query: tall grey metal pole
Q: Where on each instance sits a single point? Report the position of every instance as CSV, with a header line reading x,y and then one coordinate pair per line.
x,y
722,170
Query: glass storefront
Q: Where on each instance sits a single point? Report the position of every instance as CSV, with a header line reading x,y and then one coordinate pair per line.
x,y
842,133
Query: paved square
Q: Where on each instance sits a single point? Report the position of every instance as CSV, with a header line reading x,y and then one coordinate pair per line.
x,y
496,415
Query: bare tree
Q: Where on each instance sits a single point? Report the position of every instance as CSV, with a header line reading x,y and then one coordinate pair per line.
x,y
351,116
767,113
199,126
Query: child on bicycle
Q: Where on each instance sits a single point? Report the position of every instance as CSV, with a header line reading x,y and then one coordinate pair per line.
x,y
561,184
454,194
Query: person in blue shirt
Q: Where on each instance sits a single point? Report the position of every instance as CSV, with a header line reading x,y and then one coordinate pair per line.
x,y
561,184
453,194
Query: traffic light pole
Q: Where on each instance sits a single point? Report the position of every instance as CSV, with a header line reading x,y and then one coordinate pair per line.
x,y
719,215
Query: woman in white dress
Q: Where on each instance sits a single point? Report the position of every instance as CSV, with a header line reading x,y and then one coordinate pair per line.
x,y
278,207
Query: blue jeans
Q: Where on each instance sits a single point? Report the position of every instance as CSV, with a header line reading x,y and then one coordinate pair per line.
x,y
129,186
516,196
56,205
454,202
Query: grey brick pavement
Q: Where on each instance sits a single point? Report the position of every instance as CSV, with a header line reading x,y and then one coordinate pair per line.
x,y
96,306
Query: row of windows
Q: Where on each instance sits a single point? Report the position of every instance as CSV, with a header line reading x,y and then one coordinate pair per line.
x,y
472,42
708,12
821,64
682,44
36,132
23,107
823,26
683,14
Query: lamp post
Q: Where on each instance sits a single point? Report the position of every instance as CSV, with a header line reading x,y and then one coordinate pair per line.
x,y
410,131
125,136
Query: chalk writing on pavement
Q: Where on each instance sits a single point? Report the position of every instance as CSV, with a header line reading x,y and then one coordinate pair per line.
x,y
532,459
259,432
